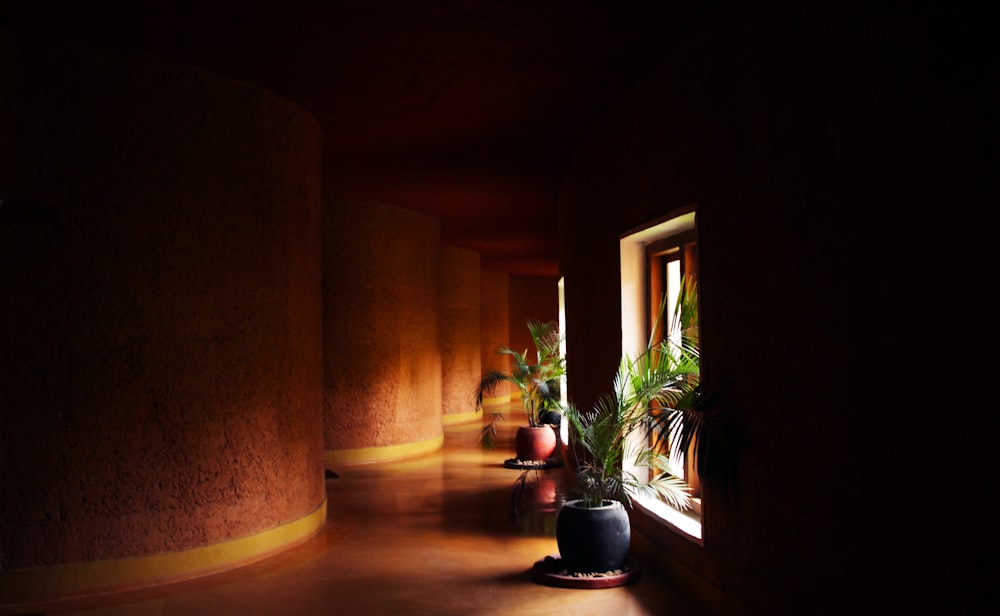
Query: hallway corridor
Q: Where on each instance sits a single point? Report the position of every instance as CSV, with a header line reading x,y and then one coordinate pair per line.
x,y
439,534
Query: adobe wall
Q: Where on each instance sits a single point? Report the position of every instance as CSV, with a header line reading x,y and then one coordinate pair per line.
x,y
461,361
495,328
381,331
808,140
160,266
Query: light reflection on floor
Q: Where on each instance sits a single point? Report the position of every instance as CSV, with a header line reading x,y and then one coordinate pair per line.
x,y
454,532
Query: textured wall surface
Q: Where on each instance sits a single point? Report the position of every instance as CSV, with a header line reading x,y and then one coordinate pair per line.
x,y
160,374
381,336
461,361
531,298
494,323
807,168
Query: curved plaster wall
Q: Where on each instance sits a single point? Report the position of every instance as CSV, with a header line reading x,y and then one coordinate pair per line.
x,y
495,329
461,361
381,339
161,369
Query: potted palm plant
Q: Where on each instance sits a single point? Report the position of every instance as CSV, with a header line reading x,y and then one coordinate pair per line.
x,y
651,394
538,383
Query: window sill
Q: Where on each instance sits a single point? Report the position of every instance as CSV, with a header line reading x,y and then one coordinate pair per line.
x,y
687,524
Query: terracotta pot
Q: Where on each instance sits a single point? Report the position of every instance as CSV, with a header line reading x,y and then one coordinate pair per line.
x,y
593,539
535,443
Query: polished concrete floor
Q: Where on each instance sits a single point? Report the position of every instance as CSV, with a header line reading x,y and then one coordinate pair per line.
x,y
452,533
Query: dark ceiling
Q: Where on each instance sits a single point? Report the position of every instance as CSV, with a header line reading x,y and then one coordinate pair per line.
x,y
467,110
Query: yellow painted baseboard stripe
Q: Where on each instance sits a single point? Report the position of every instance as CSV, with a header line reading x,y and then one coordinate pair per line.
x,y
365,455
451,419
41,584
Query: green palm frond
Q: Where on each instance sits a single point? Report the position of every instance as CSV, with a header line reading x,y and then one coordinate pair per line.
x,y
697,426
489,383
670,489
546,338
656,394
488,435
538,383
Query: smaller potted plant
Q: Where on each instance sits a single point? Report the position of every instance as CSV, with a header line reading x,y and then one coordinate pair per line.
x,y
538,383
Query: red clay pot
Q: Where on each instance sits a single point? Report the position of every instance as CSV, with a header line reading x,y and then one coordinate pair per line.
x,y
535,443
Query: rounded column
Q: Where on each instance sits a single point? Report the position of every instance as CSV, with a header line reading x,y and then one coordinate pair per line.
x,y
381,334
160,379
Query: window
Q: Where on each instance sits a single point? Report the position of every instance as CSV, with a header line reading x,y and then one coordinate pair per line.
x,y
655,260
670,262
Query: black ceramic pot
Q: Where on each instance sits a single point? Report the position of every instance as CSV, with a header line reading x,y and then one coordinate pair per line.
x,y
593,539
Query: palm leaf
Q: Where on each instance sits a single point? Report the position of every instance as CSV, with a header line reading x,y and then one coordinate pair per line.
x,y
488,435
489,383
656,393
538,383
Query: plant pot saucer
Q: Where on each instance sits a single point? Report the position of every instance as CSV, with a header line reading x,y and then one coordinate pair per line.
x,y
532,464
550,572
